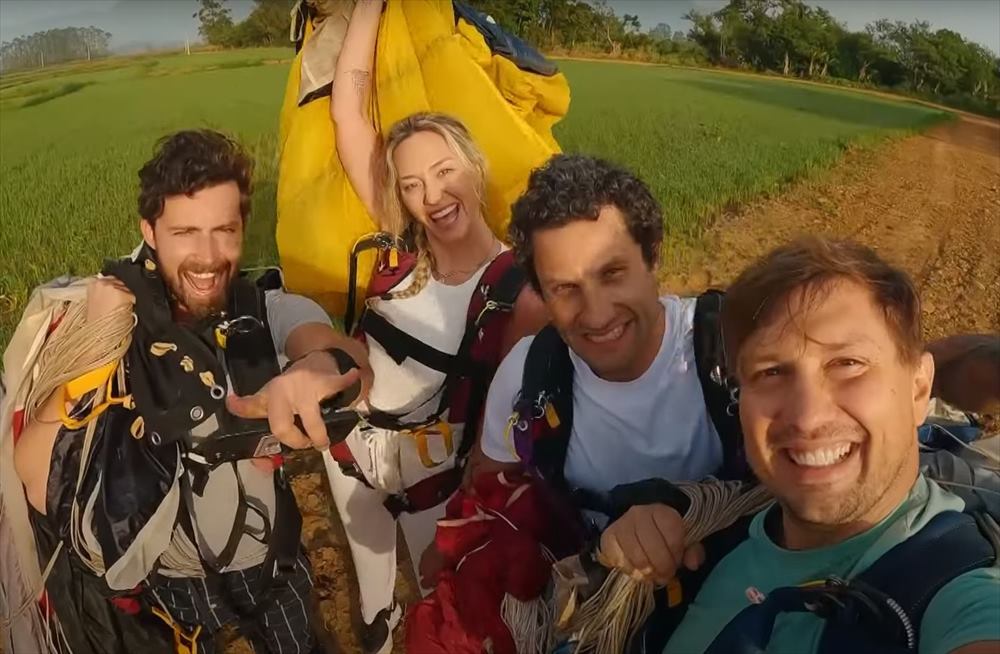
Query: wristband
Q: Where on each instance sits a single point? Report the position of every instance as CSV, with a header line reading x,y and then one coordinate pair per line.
x,y
344,360
648,491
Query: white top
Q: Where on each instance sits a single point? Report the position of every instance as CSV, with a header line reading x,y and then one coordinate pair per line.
x,y
654,426
435,316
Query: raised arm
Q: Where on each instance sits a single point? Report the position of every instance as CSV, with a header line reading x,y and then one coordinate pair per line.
x,y
356,138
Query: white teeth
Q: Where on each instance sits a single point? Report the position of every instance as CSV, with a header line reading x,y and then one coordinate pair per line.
x,y
614,334
203,275
821,457
443,212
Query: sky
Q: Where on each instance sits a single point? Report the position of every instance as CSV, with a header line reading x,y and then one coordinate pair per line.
x,y
976,20
138,23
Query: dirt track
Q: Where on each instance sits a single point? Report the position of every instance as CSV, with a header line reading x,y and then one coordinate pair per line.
x,y
930,203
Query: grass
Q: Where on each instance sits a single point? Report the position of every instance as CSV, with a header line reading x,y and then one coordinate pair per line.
x,y
73,138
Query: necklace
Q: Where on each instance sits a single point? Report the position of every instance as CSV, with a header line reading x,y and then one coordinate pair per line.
x,y
494,248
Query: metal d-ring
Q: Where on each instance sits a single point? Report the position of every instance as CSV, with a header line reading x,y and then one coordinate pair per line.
x,y
235,326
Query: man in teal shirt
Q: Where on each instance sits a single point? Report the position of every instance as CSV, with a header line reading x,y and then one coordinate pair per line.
x,y
833,383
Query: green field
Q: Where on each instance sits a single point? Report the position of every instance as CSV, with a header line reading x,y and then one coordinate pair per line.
x,y
72,140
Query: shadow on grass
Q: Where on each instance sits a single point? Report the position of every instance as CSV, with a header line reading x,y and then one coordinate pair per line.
x,y
844,106
52,94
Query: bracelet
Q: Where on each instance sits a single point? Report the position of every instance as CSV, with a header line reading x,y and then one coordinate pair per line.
x,y
344,360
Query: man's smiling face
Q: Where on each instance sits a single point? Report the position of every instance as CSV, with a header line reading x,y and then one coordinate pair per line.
x,y
830,407
198,241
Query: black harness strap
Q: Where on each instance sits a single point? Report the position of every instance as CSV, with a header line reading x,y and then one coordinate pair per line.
x,y
285,537
215,562
401,346
548,373
709,355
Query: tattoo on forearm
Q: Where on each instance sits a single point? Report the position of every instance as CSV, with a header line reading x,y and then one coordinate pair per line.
x,y
360,78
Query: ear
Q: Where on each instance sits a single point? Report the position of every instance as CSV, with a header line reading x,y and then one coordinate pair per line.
x,y
923,381
148,234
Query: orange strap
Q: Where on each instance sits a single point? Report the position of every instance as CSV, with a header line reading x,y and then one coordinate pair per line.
x,y
420,436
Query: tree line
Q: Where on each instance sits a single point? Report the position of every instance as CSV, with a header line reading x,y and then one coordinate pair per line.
x,y
267,24
787,37
54,47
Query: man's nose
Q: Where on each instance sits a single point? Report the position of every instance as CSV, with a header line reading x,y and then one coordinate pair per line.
x,y
807,404
598,308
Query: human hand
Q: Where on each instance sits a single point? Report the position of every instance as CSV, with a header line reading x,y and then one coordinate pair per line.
x,y
298,391
431,564
104,295
647,543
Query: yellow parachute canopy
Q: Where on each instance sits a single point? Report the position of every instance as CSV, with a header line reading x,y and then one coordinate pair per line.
x,y
423,62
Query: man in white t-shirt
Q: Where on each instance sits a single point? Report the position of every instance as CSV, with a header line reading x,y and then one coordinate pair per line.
x,y
589,233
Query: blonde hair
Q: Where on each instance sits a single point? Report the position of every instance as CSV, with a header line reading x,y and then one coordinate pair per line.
x,y
395,216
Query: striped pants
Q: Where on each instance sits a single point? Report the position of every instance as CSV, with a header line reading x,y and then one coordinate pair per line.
x,y
275,618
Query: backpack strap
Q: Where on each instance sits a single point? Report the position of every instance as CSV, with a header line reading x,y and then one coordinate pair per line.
x,y
906,578
489,315
543,413
719,393
879,611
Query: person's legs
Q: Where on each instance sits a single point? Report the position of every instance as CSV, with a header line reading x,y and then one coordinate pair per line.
x,y
419,528
192,603
277,614
371,534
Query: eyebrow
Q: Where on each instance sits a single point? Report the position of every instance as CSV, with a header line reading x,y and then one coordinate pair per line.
x,y
433,165
616,260
772,354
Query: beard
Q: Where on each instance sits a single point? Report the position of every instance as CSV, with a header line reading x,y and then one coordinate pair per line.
x,y
191,303
831,507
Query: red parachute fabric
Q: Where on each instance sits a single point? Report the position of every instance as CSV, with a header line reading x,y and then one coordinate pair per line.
x,y
490,540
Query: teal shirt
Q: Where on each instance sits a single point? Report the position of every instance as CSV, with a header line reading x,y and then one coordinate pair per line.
x,y
964,611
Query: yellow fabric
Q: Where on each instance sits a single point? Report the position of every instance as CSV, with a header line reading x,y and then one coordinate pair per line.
x,y
87,382
423,63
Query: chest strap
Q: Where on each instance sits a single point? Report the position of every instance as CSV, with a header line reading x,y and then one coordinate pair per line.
x,y
401,346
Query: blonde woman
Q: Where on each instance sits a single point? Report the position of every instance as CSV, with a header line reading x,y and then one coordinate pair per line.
x,y
426,177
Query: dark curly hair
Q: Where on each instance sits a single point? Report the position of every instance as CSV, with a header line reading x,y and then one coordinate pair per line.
x,y
576,187
188,161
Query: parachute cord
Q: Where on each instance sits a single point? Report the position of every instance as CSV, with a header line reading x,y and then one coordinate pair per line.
x,y
78,346
606,621
529,624
32,597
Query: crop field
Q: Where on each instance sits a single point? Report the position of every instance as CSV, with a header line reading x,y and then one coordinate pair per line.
x,y
72,140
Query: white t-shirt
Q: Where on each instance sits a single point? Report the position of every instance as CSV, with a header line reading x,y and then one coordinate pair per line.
x,y
654,426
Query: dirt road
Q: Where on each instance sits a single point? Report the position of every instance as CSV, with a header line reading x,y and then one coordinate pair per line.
x,y
930,203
